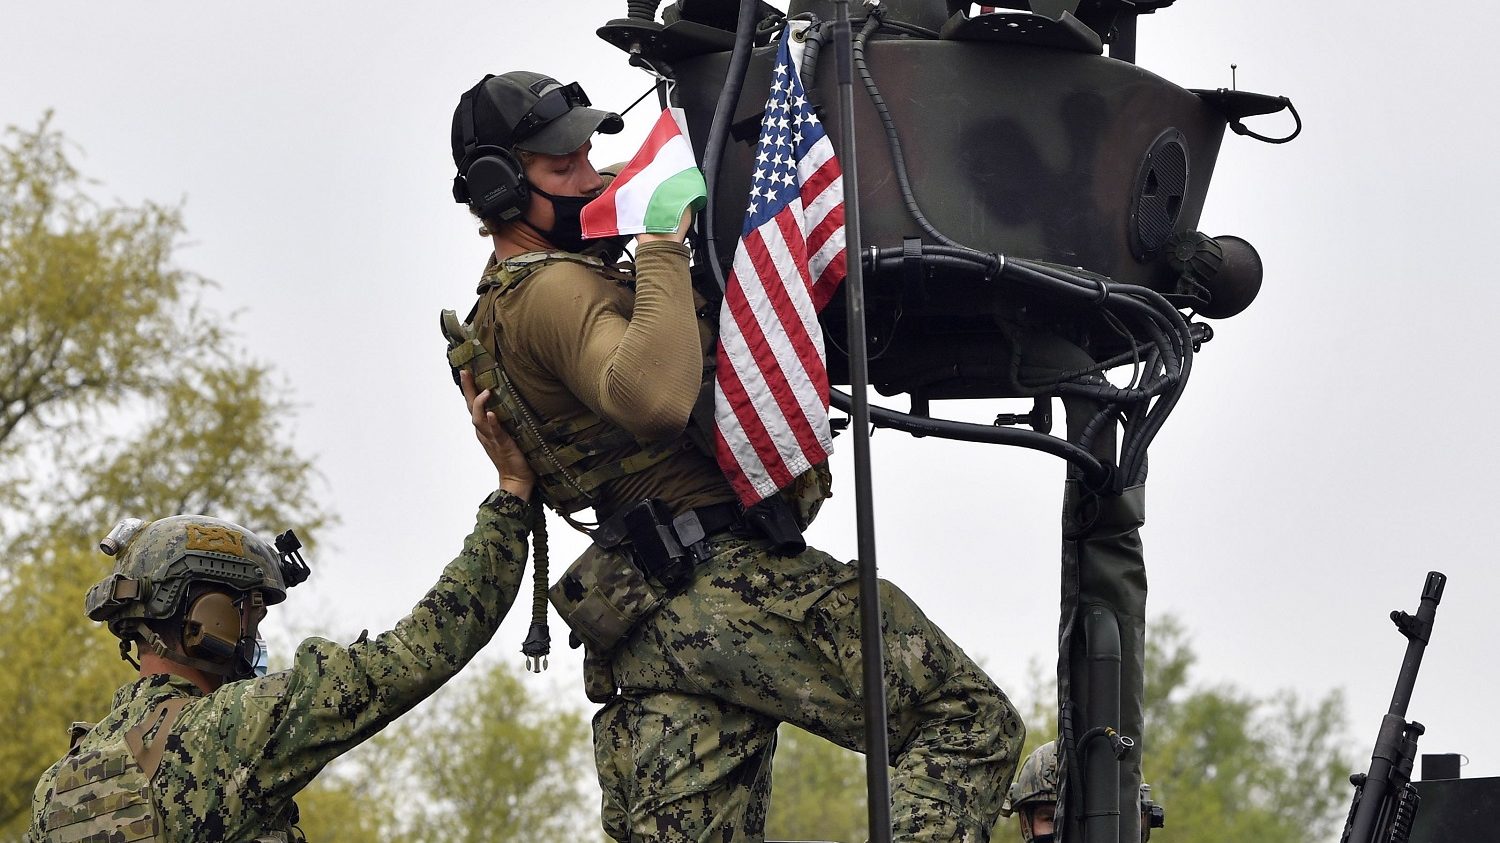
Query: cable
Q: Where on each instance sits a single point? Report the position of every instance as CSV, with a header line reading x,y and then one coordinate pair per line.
x,y
898,159
718,133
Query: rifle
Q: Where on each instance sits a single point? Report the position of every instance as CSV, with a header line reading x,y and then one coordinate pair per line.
x,y
1385,802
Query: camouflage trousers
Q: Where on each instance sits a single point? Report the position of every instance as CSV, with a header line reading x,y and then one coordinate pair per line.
x,y
684,753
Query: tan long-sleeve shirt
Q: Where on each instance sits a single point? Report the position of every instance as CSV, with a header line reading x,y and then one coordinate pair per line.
x,y
575,340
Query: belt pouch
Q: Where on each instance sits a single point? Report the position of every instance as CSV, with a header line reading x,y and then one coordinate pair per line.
x,y
598,676
602,596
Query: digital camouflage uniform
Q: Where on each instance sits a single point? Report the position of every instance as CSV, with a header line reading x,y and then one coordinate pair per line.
x,y
759,639
754,639
230,764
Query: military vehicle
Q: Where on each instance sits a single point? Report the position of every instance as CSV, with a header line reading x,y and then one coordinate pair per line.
x,y
1023,202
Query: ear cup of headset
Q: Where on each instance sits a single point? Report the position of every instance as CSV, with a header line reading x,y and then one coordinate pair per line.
x,y
496,185
211,627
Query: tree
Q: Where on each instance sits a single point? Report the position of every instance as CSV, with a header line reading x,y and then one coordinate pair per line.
x,y
483,759
342,807
1228,765
817,790
1233,767
120,394
93,312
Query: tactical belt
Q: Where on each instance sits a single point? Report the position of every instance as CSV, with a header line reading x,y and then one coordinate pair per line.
x,y
667,548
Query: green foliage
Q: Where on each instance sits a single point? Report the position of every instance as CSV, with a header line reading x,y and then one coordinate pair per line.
x,y
119,395
1236,767
1039,710
1229,765
59,668
483,760
817,790
92,310
342,808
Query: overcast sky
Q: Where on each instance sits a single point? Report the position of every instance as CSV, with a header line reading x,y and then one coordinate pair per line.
x,y
1332,447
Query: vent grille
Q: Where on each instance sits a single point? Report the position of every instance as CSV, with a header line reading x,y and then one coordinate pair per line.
x,y
1160,190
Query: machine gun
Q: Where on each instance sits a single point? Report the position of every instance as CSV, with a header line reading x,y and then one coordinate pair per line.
x,y
1385,802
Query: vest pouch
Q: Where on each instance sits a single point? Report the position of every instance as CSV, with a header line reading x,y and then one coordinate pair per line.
x,y
603,595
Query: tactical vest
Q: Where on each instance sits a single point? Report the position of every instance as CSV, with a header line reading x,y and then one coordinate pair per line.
x,y
569,473
105,794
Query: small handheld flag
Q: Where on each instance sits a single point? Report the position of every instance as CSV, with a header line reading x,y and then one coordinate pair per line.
x,y
655,188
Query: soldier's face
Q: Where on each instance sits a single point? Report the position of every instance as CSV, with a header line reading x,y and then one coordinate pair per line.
x,y
1041,819
561,175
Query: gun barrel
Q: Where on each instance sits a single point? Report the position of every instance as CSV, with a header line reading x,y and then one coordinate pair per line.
x,y
1433,589
1417,630
1395,746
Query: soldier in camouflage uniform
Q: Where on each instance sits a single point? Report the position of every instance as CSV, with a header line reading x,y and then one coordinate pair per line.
x,y
599,366
195,749
1033,796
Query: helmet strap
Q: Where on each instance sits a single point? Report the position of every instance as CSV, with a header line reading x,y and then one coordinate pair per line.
x,y
125,653
150,640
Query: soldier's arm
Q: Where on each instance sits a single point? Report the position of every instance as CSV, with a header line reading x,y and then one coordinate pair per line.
x,y
641,369
279,731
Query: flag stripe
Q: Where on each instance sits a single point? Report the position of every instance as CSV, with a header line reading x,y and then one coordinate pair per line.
x,y
671,198
772,313
633,196
754,451
809,345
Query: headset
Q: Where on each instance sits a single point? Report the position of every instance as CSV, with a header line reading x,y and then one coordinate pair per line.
x,y
216,624
490,178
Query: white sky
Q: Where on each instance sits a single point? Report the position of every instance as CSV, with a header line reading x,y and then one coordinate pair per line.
x,y
1331,448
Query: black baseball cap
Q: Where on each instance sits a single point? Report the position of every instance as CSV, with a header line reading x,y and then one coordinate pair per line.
x,y
530,111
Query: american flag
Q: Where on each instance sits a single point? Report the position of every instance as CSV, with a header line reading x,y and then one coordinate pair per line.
x,y
771,390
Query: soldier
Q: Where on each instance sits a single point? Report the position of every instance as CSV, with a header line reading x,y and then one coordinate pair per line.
x,y
1033,796
196,749
698,662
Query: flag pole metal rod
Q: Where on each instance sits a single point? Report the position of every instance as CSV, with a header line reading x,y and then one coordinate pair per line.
x,y
877,749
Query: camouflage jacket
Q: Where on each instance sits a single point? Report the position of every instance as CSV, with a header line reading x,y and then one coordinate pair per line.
x,y
232,761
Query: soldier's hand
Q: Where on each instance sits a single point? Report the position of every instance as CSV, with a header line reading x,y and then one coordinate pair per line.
x,y
677,236
516,475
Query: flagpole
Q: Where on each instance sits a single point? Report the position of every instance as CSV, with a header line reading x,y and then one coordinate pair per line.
x,y
877,749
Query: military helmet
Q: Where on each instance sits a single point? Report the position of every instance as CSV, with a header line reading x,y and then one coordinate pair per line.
x,y
157,563
1037,780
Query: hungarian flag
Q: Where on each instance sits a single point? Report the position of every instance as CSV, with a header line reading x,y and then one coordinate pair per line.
x,y
771,379
653,190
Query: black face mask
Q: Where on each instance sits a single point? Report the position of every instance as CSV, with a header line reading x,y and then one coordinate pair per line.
x,y
566,232
1043,838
